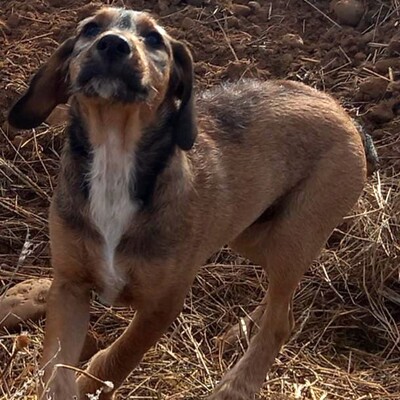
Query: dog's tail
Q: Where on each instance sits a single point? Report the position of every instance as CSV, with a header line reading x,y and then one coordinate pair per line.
x,y
370,150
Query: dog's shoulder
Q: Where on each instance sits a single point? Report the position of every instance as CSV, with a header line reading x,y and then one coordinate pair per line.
x,y
229,109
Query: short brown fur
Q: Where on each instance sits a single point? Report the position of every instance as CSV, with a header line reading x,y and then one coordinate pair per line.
x,y
275,167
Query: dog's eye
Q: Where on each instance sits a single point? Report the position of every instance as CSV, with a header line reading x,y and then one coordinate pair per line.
x,y
91,29
153,39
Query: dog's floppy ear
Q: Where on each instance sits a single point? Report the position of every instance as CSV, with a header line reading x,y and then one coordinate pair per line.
x,y
48,88
182,88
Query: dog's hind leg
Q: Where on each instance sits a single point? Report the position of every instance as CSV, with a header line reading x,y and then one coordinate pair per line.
x,y
285,247
249,325
246,328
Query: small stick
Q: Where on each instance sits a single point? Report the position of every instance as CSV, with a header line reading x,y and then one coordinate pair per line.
x,y
107,385
228,42
391,75
321,12
8,363
36,37
345,54
376,74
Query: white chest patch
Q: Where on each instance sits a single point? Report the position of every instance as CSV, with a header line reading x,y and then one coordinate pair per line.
x,y
111,207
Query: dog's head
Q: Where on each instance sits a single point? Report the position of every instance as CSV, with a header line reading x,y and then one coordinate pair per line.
x,y
118,57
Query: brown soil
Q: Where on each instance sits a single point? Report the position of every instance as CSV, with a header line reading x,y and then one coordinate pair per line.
x,y
347,339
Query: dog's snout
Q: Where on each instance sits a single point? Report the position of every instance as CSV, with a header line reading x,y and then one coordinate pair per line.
x,y
113,47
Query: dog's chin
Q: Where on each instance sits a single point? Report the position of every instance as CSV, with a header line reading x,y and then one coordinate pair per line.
x,y
113,90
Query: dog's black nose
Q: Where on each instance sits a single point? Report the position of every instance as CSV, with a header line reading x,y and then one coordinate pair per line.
x,y
113,47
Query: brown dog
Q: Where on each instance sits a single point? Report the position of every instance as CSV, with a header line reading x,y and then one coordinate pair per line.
x,y
153,182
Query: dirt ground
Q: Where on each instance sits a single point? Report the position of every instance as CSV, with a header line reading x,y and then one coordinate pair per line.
x,y
346,344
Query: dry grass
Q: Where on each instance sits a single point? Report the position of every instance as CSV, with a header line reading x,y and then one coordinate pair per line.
x,y
346,344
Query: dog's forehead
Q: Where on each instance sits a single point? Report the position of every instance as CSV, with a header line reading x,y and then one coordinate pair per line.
x,y
131,20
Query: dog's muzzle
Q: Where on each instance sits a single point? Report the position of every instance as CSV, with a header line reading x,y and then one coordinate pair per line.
x,y
112,72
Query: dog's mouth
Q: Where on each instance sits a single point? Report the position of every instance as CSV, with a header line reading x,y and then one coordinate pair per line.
x,y
115,82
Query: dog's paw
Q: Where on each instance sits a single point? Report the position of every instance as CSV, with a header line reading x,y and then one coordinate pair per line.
x,y
100,391
232,389
228,394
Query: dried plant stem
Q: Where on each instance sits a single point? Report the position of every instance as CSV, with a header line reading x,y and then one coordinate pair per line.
x,y
107,385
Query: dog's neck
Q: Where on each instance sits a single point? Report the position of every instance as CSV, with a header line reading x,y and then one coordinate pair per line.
x,y
104,121
122,135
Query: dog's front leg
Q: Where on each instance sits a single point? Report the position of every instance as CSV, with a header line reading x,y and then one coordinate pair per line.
x,y
117,361
66,326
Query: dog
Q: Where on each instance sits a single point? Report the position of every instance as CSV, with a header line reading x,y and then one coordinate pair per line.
x,y
154,180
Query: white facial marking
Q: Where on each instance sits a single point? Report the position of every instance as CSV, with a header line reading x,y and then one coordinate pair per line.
x,y
111,206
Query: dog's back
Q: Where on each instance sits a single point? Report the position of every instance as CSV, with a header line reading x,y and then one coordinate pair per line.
x,y
271,135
